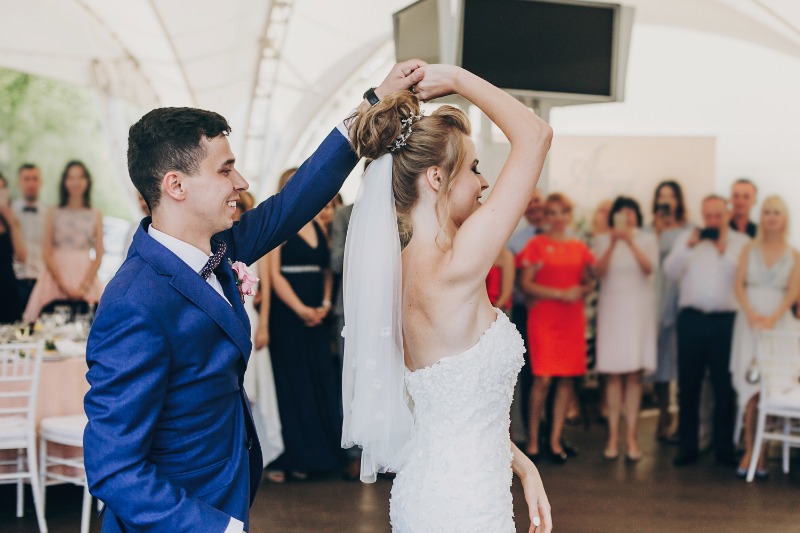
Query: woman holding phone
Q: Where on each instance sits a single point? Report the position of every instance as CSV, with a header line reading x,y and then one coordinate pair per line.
x,y
626,319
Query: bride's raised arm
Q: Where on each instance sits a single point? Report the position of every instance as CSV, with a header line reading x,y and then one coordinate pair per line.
x,y
486,231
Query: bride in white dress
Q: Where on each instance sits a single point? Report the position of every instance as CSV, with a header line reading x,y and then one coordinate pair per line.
x,y
430,365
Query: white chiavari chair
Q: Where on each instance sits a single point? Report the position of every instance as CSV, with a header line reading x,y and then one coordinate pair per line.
x,y
779,363
20,369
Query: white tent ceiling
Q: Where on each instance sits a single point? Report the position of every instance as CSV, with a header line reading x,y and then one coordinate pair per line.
x,y
271,66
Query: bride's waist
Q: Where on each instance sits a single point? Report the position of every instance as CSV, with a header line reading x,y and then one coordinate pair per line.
x,y
446,437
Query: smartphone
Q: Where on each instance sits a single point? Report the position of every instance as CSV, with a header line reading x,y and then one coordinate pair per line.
x,y
620,220
710,234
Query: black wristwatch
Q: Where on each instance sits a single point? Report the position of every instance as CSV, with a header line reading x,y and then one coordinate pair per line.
x,y
371,97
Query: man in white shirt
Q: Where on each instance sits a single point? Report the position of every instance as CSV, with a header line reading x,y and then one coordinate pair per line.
x,y
704,261
31,220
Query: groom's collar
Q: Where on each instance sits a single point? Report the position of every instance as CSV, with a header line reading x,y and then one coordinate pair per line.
x,y
191,255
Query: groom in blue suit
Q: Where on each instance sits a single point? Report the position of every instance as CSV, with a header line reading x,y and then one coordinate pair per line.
x,y
170,444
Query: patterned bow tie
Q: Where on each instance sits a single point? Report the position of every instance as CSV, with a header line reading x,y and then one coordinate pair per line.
x,y
29,209
213,261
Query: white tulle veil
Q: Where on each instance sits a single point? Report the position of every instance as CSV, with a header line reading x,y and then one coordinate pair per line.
x,y
377,416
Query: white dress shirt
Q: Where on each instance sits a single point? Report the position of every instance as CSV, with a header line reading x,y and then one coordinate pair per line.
x,y
705,276
32,227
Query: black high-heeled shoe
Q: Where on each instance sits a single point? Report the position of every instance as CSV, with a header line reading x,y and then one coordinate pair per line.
x,y
568,449
558,458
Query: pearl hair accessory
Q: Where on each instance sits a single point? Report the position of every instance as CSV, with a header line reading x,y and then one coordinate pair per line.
x,y
406,133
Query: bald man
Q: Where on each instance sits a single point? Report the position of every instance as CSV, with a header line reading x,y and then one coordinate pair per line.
x,y
704,262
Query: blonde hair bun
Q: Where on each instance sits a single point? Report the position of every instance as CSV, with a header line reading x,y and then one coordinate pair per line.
x,y
375,131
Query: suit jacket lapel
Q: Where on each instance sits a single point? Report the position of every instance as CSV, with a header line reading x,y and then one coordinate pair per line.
x,y
231,318
227,279
199,292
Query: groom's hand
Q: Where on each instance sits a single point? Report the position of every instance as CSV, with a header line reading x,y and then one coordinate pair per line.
x,y
401,77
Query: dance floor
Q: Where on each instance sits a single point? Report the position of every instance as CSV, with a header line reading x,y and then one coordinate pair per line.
x,y
588,494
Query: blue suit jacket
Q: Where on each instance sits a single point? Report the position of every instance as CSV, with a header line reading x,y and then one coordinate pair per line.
x,y
170,444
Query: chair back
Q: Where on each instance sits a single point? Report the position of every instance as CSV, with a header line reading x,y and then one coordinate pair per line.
x,y
20,369
778,356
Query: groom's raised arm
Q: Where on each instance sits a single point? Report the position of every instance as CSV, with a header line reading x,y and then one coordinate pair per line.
x,y
129,366
280,216
314,184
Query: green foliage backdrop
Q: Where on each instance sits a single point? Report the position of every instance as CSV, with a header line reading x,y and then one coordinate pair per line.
x,y
48,123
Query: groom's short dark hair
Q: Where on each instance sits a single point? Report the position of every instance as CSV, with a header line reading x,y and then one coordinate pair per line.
x,y
168,139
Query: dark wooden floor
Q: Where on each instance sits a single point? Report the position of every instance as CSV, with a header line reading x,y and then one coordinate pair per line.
x,y
588,495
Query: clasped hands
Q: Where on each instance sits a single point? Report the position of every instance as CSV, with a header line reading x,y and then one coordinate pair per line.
x,y
426,81
313,316
761,322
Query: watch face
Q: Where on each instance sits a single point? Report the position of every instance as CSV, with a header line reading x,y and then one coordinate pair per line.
x,y
371,97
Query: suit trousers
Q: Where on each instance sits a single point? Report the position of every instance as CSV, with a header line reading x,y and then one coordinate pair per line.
x,y
704,342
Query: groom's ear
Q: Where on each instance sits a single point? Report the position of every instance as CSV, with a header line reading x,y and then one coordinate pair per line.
x,y
434,178
172,186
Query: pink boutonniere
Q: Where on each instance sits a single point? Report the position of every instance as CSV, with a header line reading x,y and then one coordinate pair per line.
x,y
245,280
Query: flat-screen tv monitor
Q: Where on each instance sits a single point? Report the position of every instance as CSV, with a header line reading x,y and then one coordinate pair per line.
x,y
563,50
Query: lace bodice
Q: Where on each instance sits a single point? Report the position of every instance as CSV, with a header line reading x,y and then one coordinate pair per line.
x,y
457,472
74,229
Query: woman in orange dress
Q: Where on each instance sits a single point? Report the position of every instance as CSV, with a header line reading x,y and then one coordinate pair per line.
x,y
556,278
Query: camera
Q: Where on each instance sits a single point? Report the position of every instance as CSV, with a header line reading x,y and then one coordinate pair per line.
x,y
663,210
710,234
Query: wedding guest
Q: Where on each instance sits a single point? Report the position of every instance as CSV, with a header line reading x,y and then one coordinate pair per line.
x,y
704,262
31,217
302,362
71,231
258,379
341,220
767,284
325,219
532,224
600,218
670,219
500,280
599,226
626,321
743,198
145,211
556,277
12,246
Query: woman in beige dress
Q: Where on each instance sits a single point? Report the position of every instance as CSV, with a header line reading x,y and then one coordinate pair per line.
x,y
72,230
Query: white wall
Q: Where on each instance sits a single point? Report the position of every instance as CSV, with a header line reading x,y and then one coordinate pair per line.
x,y
685,83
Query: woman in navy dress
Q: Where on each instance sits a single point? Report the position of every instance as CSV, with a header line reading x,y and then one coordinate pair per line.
x,y
303,364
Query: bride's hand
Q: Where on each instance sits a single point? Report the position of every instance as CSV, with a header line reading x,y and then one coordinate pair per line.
x,y
402,76
437,80
538,505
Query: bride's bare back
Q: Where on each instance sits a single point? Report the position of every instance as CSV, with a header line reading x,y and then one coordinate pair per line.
x,y
442,316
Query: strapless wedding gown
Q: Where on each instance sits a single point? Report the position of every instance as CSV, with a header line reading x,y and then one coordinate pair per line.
x,y
457,474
